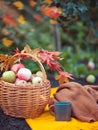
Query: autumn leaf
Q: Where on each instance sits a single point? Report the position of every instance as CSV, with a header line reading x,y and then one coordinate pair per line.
x,y
55,55
54,66
32,3
5,31
37,17
19,5
35,52
50,58
9,20
44,10
63,77
53,22
6,61
45,56
7,42
52,12
48,1
27,49
21,19
17,51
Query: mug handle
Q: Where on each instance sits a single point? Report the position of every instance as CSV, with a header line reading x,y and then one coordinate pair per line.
x,y
51,111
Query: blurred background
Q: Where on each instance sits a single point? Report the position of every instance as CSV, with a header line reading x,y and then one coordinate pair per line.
x,y
70,27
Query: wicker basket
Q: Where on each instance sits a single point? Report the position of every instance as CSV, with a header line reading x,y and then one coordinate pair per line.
x,y
25,101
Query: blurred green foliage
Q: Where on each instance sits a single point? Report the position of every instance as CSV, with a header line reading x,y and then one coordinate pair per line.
x,y
78,49
74,10
77,46
38,35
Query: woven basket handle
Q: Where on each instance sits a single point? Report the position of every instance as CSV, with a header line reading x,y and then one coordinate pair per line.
x,y
35,59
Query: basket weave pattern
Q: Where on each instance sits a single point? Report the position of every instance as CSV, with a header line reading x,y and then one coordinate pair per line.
x,y
25,101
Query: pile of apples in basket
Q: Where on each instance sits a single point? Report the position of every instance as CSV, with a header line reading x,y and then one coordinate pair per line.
x,y
19,74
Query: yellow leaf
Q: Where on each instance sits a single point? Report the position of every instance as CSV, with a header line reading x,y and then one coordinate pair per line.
x,y
18,4
21,19
48,1
7,42
53,21
27,49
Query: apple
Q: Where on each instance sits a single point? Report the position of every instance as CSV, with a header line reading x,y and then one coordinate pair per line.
x,y
20,82
39,74
36,80
17,67
91,65
24,74
9,76
90,78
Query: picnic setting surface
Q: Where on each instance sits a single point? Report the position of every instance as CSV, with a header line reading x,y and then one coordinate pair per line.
x,y
45,121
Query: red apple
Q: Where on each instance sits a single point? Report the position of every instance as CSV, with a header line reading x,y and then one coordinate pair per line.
x,y
91,65
9,76
17,67
20,82
24,74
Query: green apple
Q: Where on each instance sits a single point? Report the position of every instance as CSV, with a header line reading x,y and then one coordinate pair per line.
x,y
39,74
9,76
36,80
90,78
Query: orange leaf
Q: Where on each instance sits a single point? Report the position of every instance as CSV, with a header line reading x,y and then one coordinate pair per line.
x,y
63,77
48,1
52,12
56,54
6,61
32,3
9,20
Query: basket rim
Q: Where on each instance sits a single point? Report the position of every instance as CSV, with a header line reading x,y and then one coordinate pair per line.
x,y
13,85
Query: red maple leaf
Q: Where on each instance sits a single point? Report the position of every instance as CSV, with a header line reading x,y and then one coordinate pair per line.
x,y
9,20
54,66
17,51
37,17
50,58
52,12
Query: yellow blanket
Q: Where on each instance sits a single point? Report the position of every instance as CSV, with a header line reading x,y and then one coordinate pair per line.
x,y
47,122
